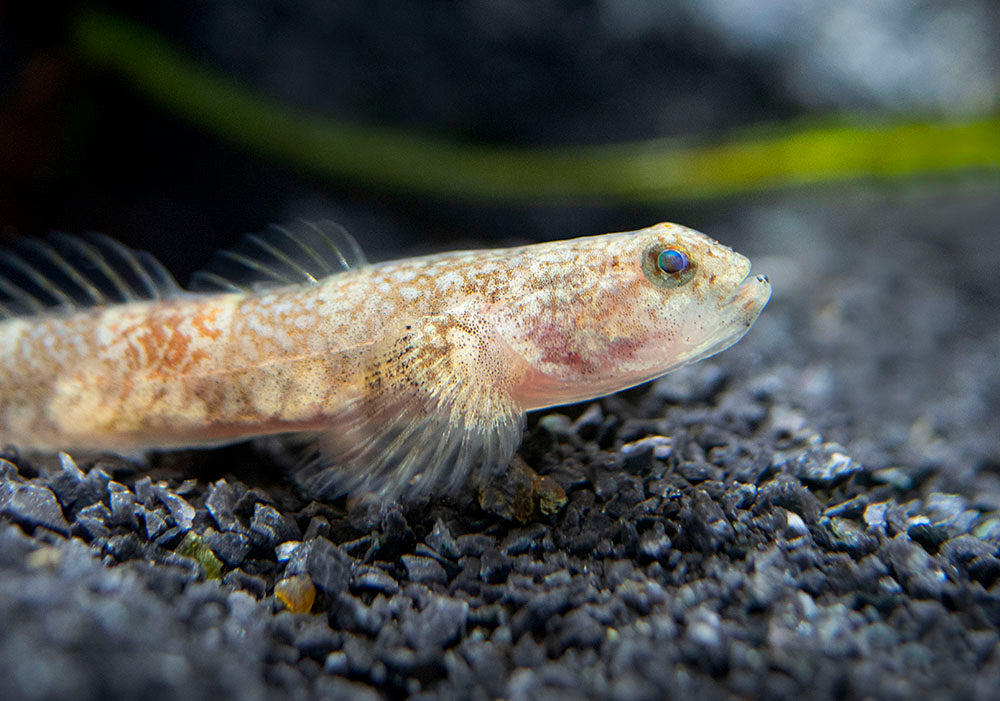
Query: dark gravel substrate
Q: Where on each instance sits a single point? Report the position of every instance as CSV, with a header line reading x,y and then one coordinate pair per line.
x,y
714,538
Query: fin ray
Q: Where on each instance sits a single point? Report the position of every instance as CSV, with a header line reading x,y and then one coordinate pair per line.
x,y
35,277
303,254
429,420
21,299
68,273
127,262
277,254
94,295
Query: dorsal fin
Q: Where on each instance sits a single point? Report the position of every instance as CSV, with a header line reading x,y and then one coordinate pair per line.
x,y
65,273
305,252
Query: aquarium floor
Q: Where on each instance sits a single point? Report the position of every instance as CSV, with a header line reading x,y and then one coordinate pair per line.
x,y
816,510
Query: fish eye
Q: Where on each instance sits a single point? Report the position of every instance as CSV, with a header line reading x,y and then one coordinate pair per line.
x,y
667,266
671,261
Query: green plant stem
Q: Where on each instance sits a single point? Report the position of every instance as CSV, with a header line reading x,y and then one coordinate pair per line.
x,y
396,159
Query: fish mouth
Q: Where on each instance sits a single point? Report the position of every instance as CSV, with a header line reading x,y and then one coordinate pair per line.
x,y
742,310
751,296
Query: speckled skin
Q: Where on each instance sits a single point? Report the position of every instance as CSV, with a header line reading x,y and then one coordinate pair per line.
x,y
466,336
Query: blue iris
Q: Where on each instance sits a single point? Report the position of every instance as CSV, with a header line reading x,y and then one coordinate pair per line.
x,y
672,261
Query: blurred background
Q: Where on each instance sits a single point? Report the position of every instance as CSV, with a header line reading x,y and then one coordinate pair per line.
x,y
850,148
107,123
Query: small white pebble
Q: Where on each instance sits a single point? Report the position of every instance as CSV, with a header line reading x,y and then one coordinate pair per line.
x,y
661,446
874,515
796,525
286,550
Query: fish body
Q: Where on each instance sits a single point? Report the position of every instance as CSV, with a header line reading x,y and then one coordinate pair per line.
x,y
410,372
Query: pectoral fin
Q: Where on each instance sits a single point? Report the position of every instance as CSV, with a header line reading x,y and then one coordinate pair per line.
x,y
435,406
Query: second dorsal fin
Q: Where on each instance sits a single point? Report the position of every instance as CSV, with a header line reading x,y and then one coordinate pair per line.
x,y
65,273
304,252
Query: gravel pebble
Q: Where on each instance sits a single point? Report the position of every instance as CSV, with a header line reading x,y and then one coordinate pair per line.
x,y
32,506
425,570
181,512
231,548
221,503
269,527
325,563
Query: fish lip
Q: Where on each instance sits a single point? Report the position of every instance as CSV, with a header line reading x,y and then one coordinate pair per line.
x,y
753,292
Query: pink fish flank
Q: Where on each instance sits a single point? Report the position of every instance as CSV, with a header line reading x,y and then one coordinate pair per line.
x,y
411,373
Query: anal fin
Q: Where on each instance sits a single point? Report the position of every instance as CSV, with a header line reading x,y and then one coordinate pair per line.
x,y
435,406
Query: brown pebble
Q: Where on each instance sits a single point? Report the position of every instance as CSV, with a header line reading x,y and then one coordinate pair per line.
x,y
296,593
551,496
520,493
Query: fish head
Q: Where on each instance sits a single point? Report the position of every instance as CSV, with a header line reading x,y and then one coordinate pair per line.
x,y
639,304
690,297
